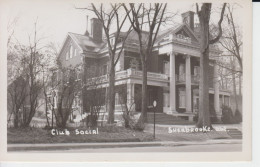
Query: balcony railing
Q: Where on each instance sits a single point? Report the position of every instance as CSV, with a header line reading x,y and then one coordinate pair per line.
x,y
182,79
133,72
195,79
126,74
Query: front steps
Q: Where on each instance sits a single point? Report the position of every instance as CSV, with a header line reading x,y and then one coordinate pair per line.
x,y
234,133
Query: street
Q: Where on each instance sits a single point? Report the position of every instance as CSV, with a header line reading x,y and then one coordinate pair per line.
x,y
179,148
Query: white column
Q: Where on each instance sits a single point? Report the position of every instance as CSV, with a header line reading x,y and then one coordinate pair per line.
x,y
216,89
188,84
130,96
172,83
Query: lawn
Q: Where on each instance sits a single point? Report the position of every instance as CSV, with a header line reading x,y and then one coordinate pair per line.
x,y
105,134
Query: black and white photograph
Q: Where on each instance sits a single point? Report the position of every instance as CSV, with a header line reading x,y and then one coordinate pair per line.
x,y
171,78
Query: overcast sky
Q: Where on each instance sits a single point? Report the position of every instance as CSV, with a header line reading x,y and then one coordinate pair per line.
x,y
57,18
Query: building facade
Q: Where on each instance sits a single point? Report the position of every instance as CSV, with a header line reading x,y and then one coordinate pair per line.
x,y
173,68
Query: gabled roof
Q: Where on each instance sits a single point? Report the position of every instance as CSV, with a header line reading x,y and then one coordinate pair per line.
x,y
175,30
86,43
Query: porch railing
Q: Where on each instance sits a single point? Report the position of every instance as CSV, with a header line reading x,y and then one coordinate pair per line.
x,y
182,79
128,73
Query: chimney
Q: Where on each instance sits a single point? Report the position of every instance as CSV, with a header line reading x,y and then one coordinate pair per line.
x,y
86,32
96,30
188,19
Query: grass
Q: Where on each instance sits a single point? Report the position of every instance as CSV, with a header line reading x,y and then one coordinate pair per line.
x,y
106,134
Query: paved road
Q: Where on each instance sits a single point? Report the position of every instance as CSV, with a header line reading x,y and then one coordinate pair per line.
x,y
184,148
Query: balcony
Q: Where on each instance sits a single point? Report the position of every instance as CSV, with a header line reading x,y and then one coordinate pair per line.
x,y
150,75
181,79
129,73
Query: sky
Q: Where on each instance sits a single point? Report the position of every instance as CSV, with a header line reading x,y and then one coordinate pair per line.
x,y
56,18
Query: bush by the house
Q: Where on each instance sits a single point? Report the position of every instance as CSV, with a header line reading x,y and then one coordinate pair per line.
x,y
227,115
237,116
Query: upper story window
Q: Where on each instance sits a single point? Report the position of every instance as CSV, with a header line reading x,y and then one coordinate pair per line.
x,y
71,52
75,52
134,64
104,69
196,70
166,67
181,70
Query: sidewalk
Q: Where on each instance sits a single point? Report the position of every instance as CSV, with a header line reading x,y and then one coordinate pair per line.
x,y
238,126
67,146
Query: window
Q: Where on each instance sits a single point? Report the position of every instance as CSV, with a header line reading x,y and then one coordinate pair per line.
x,y
166,67
104,69
196,70
226,100
166,100
75,52
181,72
117,102
182,99
71,51
55,102
181,69
134,64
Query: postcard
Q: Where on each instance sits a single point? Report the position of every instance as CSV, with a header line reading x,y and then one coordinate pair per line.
x,y
124,81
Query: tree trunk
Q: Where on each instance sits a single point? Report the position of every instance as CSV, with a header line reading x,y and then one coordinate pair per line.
x,y
111,94
143,117
16,118
144,92
204,114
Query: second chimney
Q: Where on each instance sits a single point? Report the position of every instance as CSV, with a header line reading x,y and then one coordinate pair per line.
x,y
96,30
188,19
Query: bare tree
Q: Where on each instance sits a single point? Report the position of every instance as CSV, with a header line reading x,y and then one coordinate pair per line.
x,y
109,17
128,104
48,83
141,15
231,41
204,17
27,66
68,86
95,97
17,93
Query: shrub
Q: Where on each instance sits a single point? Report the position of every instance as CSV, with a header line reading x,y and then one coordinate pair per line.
x,y
227,115
237,116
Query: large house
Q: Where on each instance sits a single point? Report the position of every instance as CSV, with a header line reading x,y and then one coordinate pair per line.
x,y
173,68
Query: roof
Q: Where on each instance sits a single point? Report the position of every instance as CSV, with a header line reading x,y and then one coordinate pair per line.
x,y
174,30
86,43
